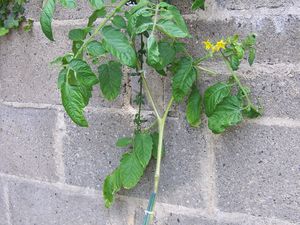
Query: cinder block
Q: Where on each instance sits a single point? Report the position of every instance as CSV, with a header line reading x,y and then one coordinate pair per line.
x,y
248,4
258,171
181,168
45,205
3,217
277,36
90,153
167,218
27,142
276,89
25,66
82,11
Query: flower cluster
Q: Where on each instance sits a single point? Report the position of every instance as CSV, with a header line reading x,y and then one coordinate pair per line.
x,y
214,48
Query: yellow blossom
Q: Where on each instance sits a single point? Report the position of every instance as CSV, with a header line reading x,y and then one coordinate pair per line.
x,y
220,45
208,45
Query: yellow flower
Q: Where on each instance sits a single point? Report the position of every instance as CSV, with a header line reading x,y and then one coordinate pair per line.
x,y
220,45
208,45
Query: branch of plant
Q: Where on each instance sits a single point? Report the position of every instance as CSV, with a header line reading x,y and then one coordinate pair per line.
x,y
211,72
149,95
236,79
100,26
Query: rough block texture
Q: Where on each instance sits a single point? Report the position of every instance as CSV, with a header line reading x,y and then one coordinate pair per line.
x,y
3,217
52,171
27,142
91,154
258,171
44,205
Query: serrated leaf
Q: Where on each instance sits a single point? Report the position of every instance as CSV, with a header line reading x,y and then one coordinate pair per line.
x,y
249,41
84,74
62,77
131,170
251,57
198,4
97,4
110,76
182,81
153,56
124,142
172,13
74,102
171,29
119,22
78,34
234,62
215,95
68,3
194,107
118,45
227,113
112,184
99,13
142,147
155,139
46,18
95,49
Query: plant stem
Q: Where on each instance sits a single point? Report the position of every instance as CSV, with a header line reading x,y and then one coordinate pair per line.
x,y
148,92
101,25
236,79
207,70
161,128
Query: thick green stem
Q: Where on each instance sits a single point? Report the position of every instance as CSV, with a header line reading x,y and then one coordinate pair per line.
x,y
161,129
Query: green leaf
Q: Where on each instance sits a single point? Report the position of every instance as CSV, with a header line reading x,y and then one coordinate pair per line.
x,y
198,4
131,170
112,184
252,112
194,107
97,4
78,34
84,74
3,31
95,49
249,41
119,22
153,56
62,77
171,29
143,148
215,95
118,45
172,13
227,113
235,62
46,18
251,57
68,3
99,13
124,142
73,100
155,139
110,76
182,81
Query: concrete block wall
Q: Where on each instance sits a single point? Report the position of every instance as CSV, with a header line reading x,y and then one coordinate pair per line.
x,y
51,171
